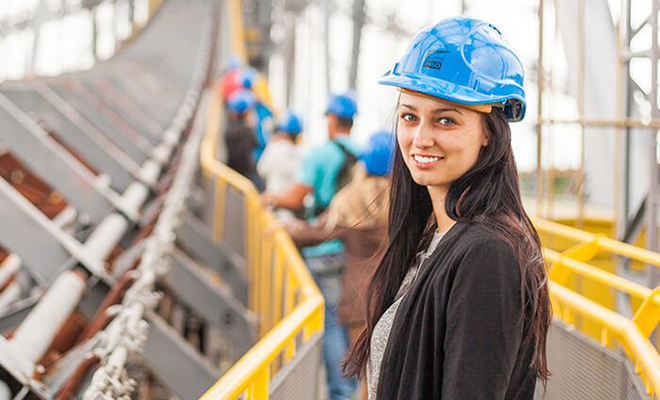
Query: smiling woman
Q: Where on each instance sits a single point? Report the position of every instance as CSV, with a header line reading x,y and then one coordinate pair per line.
x,y
439,141
458,307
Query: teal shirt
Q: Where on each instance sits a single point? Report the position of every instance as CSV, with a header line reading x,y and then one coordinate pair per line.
x,y
319,171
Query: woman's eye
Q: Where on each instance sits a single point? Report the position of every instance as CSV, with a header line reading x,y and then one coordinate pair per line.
x,y
408,117
446,121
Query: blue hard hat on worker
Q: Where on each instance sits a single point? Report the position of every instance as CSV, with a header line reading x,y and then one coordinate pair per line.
x,y
378,155
241,101
247,77
342,106
466,61
290,123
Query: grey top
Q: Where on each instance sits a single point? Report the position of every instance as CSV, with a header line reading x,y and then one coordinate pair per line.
x,y
384,326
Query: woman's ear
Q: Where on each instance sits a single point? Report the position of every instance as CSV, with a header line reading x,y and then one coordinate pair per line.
x,y
484,142
484,128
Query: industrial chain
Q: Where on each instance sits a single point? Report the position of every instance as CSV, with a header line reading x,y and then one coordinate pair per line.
x,y
127,333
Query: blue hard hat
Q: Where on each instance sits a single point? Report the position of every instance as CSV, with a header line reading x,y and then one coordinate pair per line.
x,y
247,77
466,61
342,105
378,156
290,123
241,101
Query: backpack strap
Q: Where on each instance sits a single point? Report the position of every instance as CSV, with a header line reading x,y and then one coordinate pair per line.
x,y
344,174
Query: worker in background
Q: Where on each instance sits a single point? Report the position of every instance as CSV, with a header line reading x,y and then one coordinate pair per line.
x,y
229,81
249,78
281,159
358,216
324,170
239,135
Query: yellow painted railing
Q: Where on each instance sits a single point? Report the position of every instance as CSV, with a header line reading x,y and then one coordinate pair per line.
x,y
569,306
237,31
282,292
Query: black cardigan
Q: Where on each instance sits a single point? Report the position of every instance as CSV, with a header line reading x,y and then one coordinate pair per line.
x,y
457,333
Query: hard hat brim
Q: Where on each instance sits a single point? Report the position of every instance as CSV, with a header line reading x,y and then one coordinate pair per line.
x,y
451,92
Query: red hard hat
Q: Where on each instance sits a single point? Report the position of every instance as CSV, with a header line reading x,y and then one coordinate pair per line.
x,y
229,83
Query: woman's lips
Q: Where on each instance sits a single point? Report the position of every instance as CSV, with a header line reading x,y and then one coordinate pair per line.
x,y
426,161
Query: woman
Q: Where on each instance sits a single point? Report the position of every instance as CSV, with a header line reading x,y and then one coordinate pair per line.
x,y
458,307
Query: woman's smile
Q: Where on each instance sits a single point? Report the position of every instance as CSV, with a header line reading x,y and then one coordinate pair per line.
x,y
423,161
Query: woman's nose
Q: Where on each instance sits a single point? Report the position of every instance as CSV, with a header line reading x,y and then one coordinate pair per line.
x,y
422,139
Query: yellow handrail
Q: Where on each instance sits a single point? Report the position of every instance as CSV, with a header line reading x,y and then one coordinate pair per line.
x,y
601,243
566,303
282,292
632,335
563,263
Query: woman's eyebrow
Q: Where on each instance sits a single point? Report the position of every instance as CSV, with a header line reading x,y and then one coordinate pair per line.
x,y
436,111
440,110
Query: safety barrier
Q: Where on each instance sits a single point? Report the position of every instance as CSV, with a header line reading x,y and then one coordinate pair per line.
x,y
282,292
632,335
286,361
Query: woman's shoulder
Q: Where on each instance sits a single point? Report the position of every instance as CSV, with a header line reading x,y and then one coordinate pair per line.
x,y
480,250
479,234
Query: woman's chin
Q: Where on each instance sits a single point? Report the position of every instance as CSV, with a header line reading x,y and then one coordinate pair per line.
x,y
426,180
430,180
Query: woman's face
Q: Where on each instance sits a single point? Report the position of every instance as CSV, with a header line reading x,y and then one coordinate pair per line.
x,y
439,141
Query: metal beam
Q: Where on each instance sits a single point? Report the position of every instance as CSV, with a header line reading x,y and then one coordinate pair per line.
x,y
147,90
13,315
358,22
654,187
125,106
40,243
26,20
94,297
169,356
77,133
37,331
43,155
118,119
212,301
127,258
87,109
327,59
64,369
196,239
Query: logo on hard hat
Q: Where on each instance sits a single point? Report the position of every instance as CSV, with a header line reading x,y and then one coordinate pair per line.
x,y
435,60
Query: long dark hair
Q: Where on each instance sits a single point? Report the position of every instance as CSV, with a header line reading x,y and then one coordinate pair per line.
x,y
488,194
